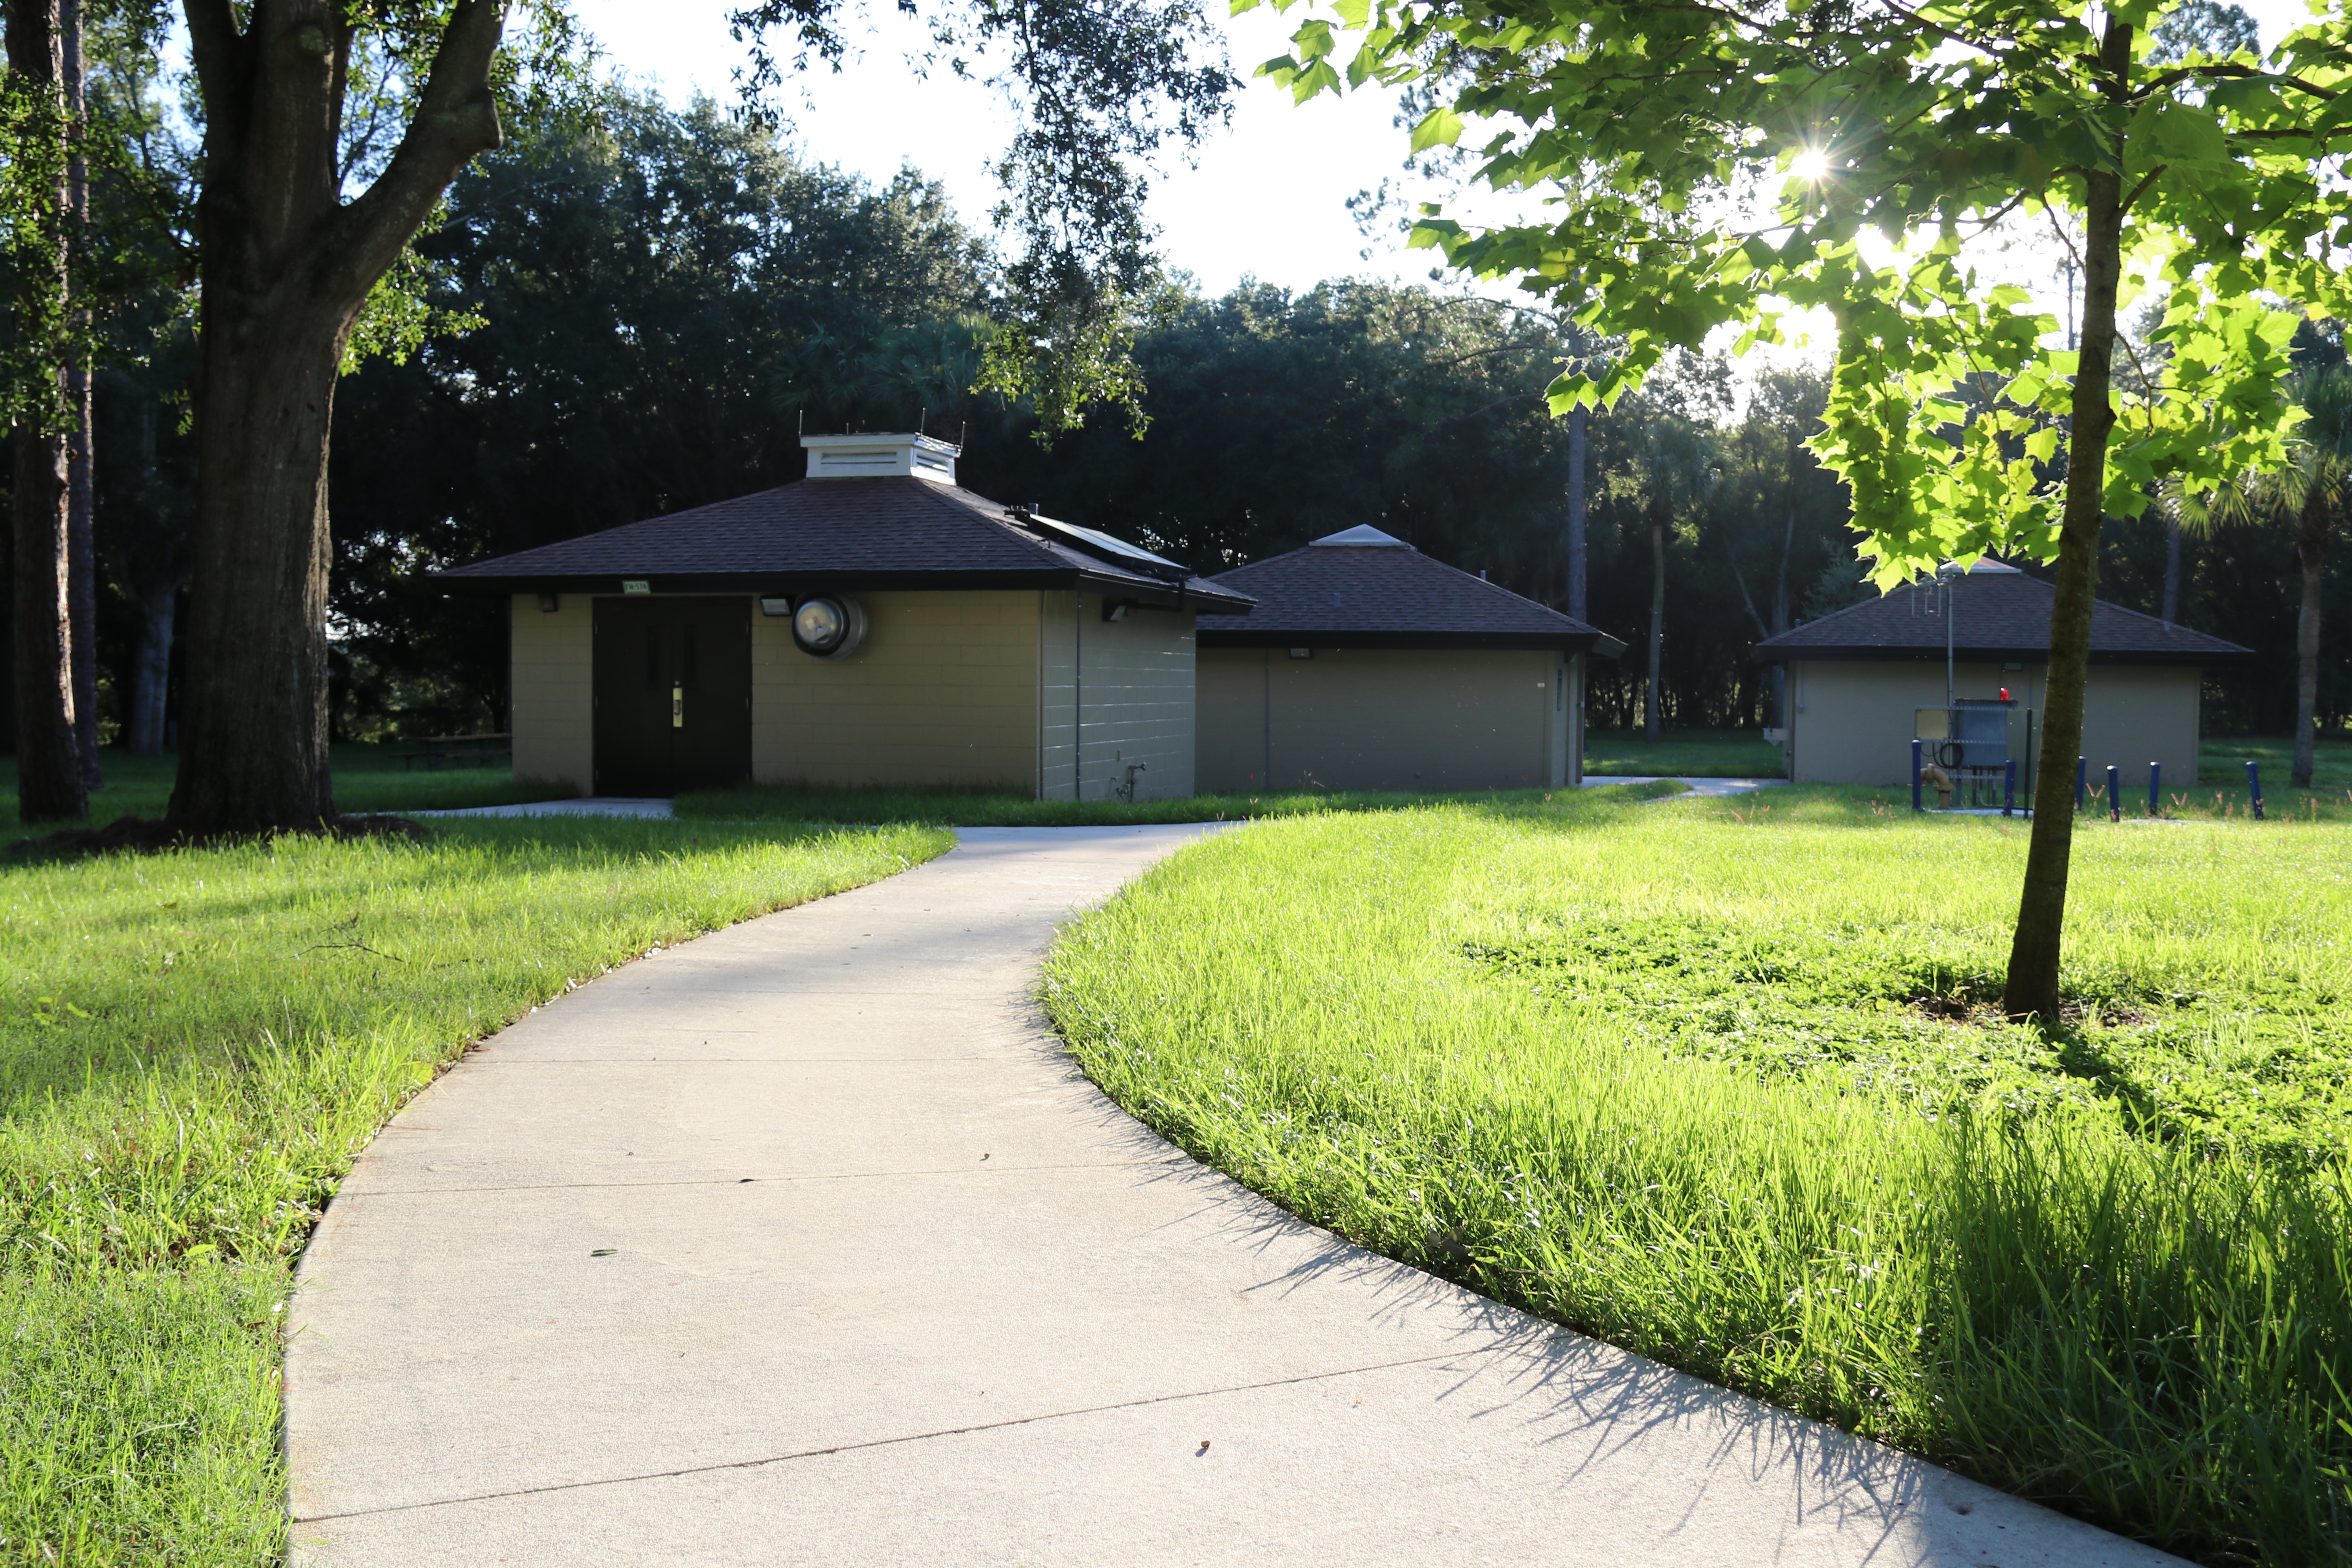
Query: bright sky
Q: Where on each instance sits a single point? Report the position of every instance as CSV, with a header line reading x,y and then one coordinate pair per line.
x,y
1266,197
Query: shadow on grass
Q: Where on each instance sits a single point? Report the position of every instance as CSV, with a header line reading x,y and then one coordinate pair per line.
x,y
368,781
958,806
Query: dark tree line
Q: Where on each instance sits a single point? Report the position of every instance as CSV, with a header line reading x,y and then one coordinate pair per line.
x,y
667,297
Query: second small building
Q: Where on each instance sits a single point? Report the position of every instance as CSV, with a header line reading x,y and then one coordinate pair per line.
x,y
1366,665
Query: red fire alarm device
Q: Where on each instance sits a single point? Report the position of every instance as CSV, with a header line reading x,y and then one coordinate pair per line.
x,y
2004,694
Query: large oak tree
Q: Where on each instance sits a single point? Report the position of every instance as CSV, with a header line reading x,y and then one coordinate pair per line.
x,y
1896,134
288,263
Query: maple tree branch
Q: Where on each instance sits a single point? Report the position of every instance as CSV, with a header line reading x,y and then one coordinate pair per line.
x,y
1924,25
2290,132
2145,181
2248,73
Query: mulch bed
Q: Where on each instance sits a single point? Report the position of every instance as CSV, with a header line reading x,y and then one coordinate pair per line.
x,y
150,835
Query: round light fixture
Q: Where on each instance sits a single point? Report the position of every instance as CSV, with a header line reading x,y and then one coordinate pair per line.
x,y
829,626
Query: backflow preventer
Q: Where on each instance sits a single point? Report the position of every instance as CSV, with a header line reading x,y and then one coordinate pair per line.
x,y
1970,750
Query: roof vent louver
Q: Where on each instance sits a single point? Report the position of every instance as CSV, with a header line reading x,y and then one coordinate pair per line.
x,y
880,456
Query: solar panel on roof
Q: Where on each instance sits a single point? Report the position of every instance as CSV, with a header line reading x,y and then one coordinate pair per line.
x,y
1096,543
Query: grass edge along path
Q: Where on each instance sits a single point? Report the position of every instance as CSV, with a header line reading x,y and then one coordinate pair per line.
x,y
194,1046
2145,1334
981,806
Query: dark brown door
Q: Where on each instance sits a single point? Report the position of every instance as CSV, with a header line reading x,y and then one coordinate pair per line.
x,y
673,695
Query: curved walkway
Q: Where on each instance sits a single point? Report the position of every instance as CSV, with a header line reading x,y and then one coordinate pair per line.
x,y
804,1244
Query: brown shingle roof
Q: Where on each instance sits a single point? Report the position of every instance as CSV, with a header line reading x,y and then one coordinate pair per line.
x,y
874,533
1364,589
1999,613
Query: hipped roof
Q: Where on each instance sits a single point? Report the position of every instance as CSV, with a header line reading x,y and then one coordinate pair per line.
x,y
898,532
1365,589
1998,614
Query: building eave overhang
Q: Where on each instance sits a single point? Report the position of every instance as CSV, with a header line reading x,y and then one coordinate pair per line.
x,y
1596,643
1850,654
1195,594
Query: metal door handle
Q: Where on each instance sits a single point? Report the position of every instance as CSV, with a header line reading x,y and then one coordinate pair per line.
x,y
678,707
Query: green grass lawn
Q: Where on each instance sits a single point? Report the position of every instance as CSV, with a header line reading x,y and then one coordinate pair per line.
x,y
367,779
1692,753
2223,759
1718,1082
193,1048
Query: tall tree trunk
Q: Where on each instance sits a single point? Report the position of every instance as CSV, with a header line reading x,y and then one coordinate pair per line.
x,y
253,732
2311,549
82,572
81,499
48,757
151,682
1780,599
1576,512
1658,615
2034,950
48,761
287,266
2171,568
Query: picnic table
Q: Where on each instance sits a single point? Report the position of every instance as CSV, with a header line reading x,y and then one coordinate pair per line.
x,y
458,750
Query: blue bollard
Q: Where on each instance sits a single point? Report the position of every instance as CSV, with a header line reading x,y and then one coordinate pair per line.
x,y
2009,789
2115,793
2254,785
2082,782
1915,775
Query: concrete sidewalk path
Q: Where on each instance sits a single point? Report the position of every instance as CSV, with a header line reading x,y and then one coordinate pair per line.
x,y
1712,788
804,1243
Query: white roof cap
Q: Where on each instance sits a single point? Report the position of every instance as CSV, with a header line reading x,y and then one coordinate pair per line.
x,y
881,454
1362,533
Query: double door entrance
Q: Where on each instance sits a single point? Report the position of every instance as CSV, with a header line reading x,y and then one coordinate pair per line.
x,y
673,694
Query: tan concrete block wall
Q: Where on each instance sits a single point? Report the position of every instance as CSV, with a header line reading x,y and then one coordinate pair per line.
x,y
1058,641
1232,684
2136,715
1851,722
943,691
1383,718
551,659
1133,679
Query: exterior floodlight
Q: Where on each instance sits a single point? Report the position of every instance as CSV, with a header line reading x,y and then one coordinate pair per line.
x,y
829,626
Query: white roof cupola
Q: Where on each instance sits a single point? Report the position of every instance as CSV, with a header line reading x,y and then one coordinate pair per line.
x,y
880,456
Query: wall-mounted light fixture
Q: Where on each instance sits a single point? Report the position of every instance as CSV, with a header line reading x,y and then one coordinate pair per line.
x,y
1115,609
1302,653
550,603
828,625
777,607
